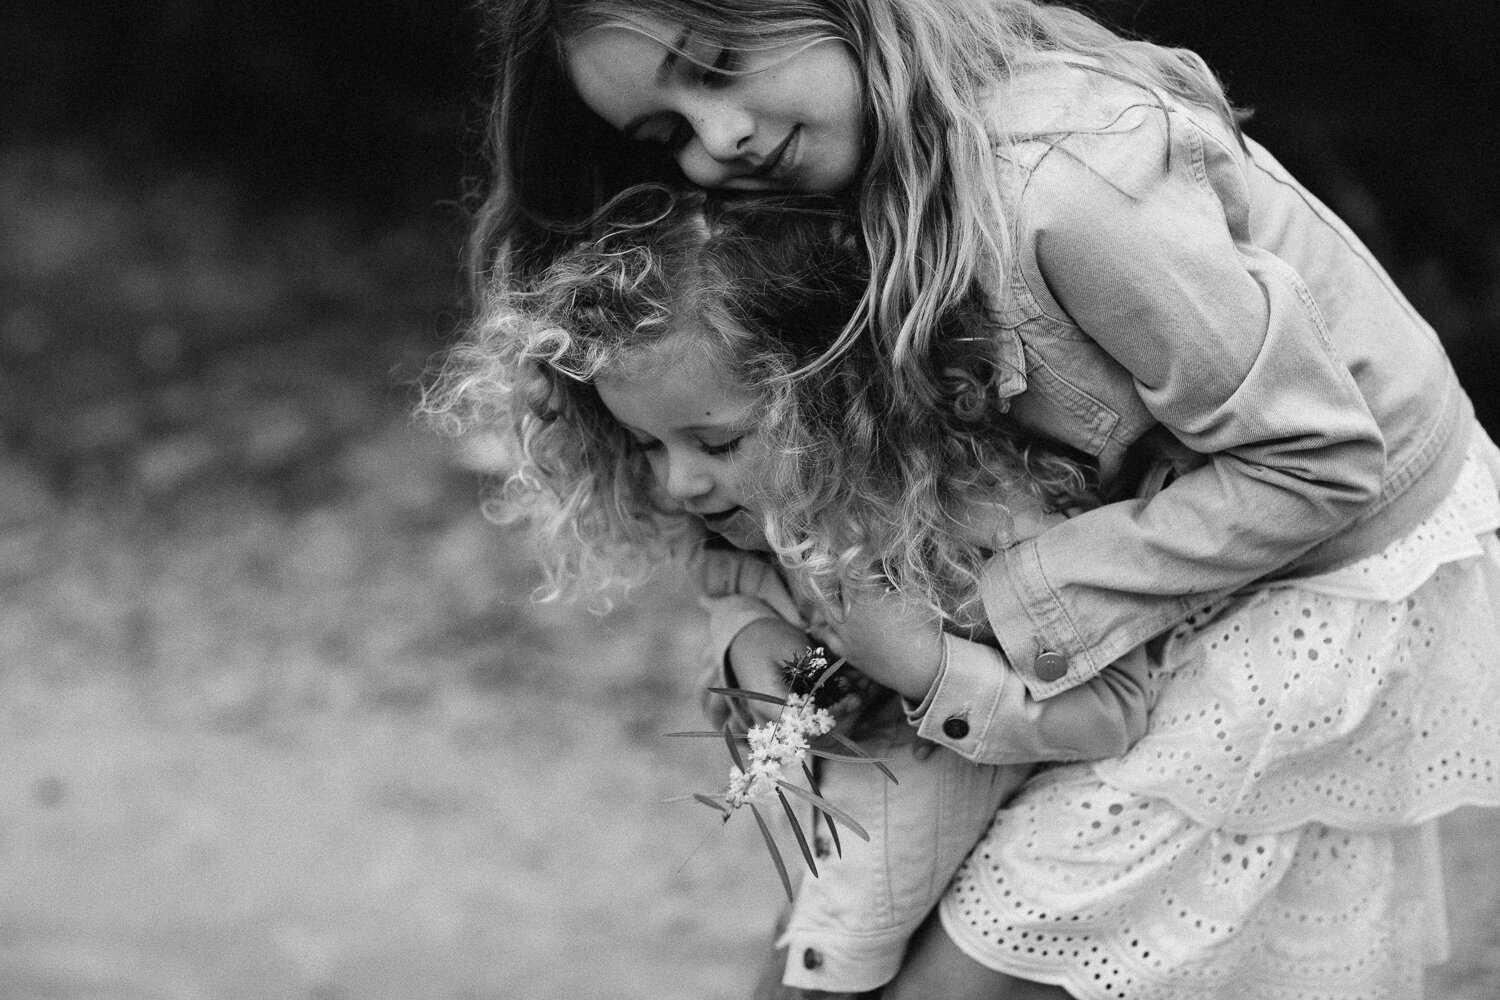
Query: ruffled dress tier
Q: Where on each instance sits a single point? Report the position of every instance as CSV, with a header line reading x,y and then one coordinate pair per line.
x,y
1273,835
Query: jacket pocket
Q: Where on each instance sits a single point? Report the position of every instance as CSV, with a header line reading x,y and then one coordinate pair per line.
x,y
1061,410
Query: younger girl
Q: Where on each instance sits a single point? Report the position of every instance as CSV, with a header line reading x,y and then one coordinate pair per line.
x,y
643,378
1318,573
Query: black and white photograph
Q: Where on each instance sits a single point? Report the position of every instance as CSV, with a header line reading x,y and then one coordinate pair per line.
x,y
750,500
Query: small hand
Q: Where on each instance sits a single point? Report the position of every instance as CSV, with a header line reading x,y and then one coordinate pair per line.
x,y
756,656
891,641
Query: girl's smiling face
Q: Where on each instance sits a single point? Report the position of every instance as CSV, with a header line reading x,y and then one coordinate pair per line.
x,y
788,118
698,431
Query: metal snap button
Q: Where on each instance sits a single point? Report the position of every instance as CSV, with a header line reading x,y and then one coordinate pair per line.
x,y
1050,666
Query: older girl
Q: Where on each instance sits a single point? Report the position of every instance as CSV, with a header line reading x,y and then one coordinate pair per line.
x,y
1317,571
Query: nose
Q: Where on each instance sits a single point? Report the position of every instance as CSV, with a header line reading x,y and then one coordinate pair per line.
x,y
722,136
685,478
724,130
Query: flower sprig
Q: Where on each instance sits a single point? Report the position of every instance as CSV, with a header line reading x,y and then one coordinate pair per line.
x,y
775,746
800,731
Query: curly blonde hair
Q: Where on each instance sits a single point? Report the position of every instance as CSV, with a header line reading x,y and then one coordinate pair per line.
x,y
857,489
932,206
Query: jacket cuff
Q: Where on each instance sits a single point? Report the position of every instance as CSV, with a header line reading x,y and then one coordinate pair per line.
x,y
964,699
978,712
842,963
1015,594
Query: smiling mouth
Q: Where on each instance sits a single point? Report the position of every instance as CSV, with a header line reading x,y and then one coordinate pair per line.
x,y
771,162
720,519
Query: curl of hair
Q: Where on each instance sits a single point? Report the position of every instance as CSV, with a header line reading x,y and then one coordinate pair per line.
x,y
524,373
868,489
858,486
934,212
937,218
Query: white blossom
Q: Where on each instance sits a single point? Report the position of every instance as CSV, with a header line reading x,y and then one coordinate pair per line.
x,y
775,746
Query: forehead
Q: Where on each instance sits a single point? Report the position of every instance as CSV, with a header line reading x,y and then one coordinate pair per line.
x,y
674,386
615,68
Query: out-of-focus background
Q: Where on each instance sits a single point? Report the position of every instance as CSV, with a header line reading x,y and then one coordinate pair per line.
x,y
276,719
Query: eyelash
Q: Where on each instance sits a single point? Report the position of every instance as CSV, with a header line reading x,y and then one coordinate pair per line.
x,y
712,450
643,447
718,73
723,449
713,76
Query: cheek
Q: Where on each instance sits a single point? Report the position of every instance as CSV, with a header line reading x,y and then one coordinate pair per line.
x,y
656,463
852,131
833,163
749,479
746,534
700,168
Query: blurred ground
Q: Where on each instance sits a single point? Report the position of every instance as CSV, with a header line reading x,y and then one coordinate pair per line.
x,y
275,717
276,720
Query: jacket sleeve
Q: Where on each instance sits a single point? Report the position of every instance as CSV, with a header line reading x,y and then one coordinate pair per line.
x,y
737,588
1141,237
979,708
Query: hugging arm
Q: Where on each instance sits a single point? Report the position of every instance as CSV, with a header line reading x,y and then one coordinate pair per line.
x,y
967,696
1144,239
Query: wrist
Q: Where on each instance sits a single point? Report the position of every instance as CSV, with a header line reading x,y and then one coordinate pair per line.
x,y
758,651
768,635
923,664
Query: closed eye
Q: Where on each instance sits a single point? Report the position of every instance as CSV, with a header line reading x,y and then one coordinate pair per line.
x,y
723,449
669,130
645,447
718,74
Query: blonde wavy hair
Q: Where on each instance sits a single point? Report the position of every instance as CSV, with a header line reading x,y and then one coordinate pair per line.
x,y
858,489
932,206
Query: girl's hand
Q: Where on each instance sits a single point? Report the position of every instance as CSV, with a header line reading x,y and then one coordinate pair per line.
x,y
756,656
888,640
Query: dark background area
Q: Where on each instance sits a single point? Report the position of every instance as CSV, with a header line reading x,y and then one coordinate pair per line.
x,y
364,103
1387,108
370,102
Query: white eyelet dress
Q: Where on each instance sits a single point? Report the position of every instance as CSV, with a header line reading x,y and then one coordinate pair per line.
x,y
1273,836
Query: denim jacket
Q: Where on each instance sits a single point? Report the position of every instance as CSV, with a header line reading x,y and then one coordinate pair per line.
x,y
1179,294
849,927
1099,718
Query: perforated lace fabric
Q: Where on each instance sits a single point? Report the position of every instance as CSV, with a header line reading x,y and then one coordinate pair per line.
x,y
1450,533
1293,707
1270,836
1140,903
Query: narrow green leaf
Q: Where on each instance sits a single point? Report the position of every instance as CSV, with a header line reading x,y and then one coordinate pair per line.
x,y
877,761
744,695
826,806
765,832
847,758
734,751
713,803
709,733
832,669
854,748
833,828
791,814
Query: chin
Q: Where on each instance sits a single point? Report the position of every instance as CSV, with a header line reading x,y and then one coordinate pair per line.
x,y
746,537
